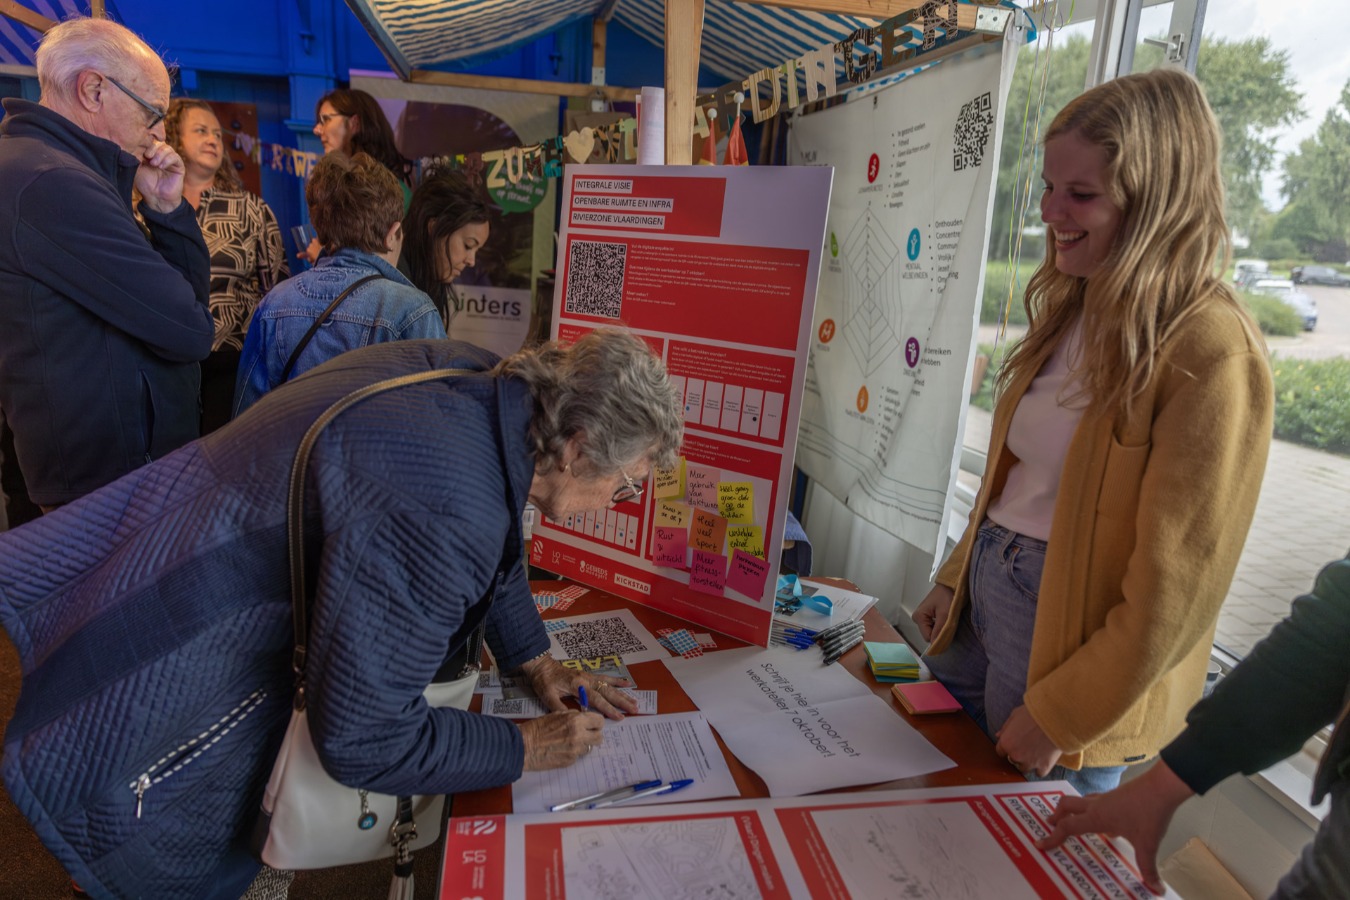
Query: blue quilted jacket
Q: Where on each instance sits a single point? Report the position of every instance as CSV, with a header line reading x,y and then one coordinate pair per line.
x,y
152,619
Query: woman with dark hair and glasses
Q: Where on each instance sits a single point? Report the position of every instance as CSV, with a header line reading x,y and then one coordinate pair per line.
x,y
350,121
446,226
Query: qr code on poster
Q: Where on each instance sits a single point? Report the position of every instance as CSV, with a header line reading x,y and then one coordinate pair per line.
x,y
971,137
598,637
595,278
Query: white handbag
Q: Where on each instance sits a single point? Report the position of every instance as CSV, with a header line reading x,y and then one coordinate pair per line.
x,y
314,822
309,820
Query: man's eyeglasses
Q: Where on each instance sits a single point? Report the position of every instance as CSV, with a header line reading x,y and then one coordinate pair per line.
x,y
628,491
328,117
156,115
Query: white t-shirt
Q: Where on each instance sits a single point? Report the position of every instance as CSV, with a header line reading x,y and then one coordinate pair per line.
x,y
1042,427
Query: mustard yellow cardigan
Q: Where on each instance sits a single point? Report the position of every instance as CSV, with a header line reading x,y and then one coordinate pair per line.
x,y
1152,512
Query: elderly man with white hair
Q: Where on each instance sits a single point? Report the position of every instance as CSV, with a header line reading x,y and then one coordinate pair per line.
x,y
102,321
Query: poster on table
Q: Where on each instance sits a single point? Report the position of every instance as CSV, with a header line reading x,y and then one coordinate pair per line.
x,y
716,268
937,843
895,325
493,299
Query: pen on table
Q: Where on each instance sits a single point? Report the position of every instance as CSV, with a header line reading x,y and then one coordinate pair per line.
x,y
840,637
649,792
610,794
836,630
840,651
581,698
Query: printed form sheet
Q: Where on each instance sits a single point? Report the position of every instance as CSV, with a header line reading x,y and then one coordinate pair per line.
x,y
968,843
638,748
716,268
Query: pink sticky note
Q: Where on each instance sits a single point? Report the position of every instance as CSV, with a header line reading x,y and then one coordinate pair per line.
x,y
708,573
669,547
701,485
747,574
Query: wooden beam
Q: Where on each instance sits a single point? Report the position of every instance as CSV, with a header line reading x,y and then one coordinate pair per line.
x,y
25,16
607,10
521,85
872,9
97,10
684,41
598,40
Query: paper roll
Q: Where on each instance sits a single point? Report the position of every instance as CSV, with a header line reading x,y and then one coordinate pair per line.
x,y
652,127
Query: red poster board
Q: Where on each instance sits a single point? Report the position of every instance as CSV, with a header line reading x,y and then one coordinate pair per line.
x,y
716,268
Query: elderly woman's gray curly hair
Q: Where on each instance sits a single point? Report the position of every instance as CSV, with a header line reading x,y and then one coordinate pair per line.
x,y
609,385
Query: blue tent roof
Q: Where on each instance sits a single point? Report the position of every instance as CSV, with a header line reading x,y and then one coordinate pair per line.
x,y
18,43
456,34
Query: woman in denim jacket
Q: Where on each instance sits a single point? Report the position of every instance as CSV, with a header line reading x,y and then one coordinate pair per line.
x,y
357,208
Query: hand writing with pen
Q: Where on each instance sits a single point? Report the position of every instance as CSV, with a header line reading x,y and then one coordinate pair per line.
x,y
565,735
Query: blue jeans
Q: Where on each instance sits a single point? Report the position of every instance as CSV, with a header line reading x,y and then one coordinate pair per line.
x,y
985,667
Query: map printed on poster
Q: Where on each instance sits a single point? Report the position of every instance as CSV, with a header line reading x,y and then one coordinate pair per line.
x,y
716,268
964,843
895,327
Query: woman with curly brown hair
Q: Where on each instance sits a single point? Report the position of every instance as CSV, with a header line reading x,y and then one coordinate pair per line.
x,y
241,233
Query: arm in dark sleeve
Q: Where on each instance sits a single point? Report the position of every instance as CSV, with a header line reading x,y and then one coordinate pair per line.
x,y
392,590
77,238
514,630
1290,685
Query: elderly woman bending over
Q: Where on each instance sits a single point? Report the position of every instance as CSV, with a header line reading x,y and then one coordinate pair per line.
x,y
415,498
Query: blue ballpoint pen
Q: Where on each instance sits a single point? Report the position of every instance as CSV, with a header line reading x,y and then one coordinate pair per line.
x,y
581,698
612,793
650,792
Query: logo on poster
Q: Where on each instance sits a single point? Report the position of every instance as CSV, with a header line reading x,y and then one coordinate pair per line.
x,y
912,352
873,168
826,331
593,570
633,584
912,249
862,399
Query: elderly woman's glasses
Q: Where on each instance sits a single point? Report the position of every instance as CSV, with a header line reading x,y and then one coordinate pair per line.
x,y
156,115
627,491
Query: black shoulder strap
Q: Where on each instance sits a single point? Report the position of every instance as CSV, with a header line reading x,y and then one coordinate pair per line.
x,y
323,317
295,503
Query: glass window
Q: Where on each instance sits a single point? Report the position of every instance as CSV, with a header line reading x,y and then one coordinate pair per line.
x,y
1280,86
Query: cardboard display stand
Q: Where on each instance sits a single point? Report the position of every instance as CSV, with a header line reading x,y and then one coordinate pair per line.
x,y
717,270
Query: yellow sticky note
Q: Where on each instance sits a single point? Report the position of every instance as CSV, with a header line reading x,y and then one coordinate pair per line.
x,y
672,515
667,483
749,538
736,501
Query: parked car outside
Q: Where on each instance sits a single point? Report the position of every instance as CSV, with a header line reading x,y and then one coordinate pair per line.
x,y
1247,271
1319,275
1284,290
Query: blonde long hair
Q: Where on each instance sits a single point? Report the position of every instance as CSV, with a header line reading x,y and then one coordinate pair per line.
x,y
1162,145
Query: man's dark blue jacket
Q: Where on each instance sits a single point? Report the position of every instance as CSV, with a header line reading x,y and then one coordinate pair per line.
x,y
100,329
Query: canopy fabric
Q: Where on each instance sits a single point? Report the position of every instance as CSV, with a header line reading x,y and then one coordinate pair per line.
x,y
18,43
738,38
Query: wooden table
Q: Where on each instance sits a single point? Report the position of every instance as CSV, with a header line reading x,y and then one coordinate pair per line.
x,y
955,734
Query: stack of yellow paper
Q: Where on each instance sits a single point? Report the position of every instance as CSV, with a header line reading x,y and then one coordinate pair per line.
x,y
891,662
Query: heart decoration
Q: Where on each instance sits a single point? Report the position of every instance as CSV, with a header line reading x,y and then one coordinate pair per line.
x,y
580,144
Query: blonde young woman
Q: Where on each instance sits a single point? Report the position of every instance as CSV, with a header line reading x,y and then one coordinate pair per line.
x,y
247,259
1074,619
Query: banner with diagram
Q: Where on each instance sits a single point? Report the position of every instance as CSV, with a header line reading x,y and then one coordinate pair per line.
x,y
898,305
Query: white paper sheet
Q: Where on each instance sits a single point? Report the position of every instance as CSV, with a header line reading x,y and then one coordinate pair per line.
x,y
848,606
636,749
604,634
531,708
803,726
